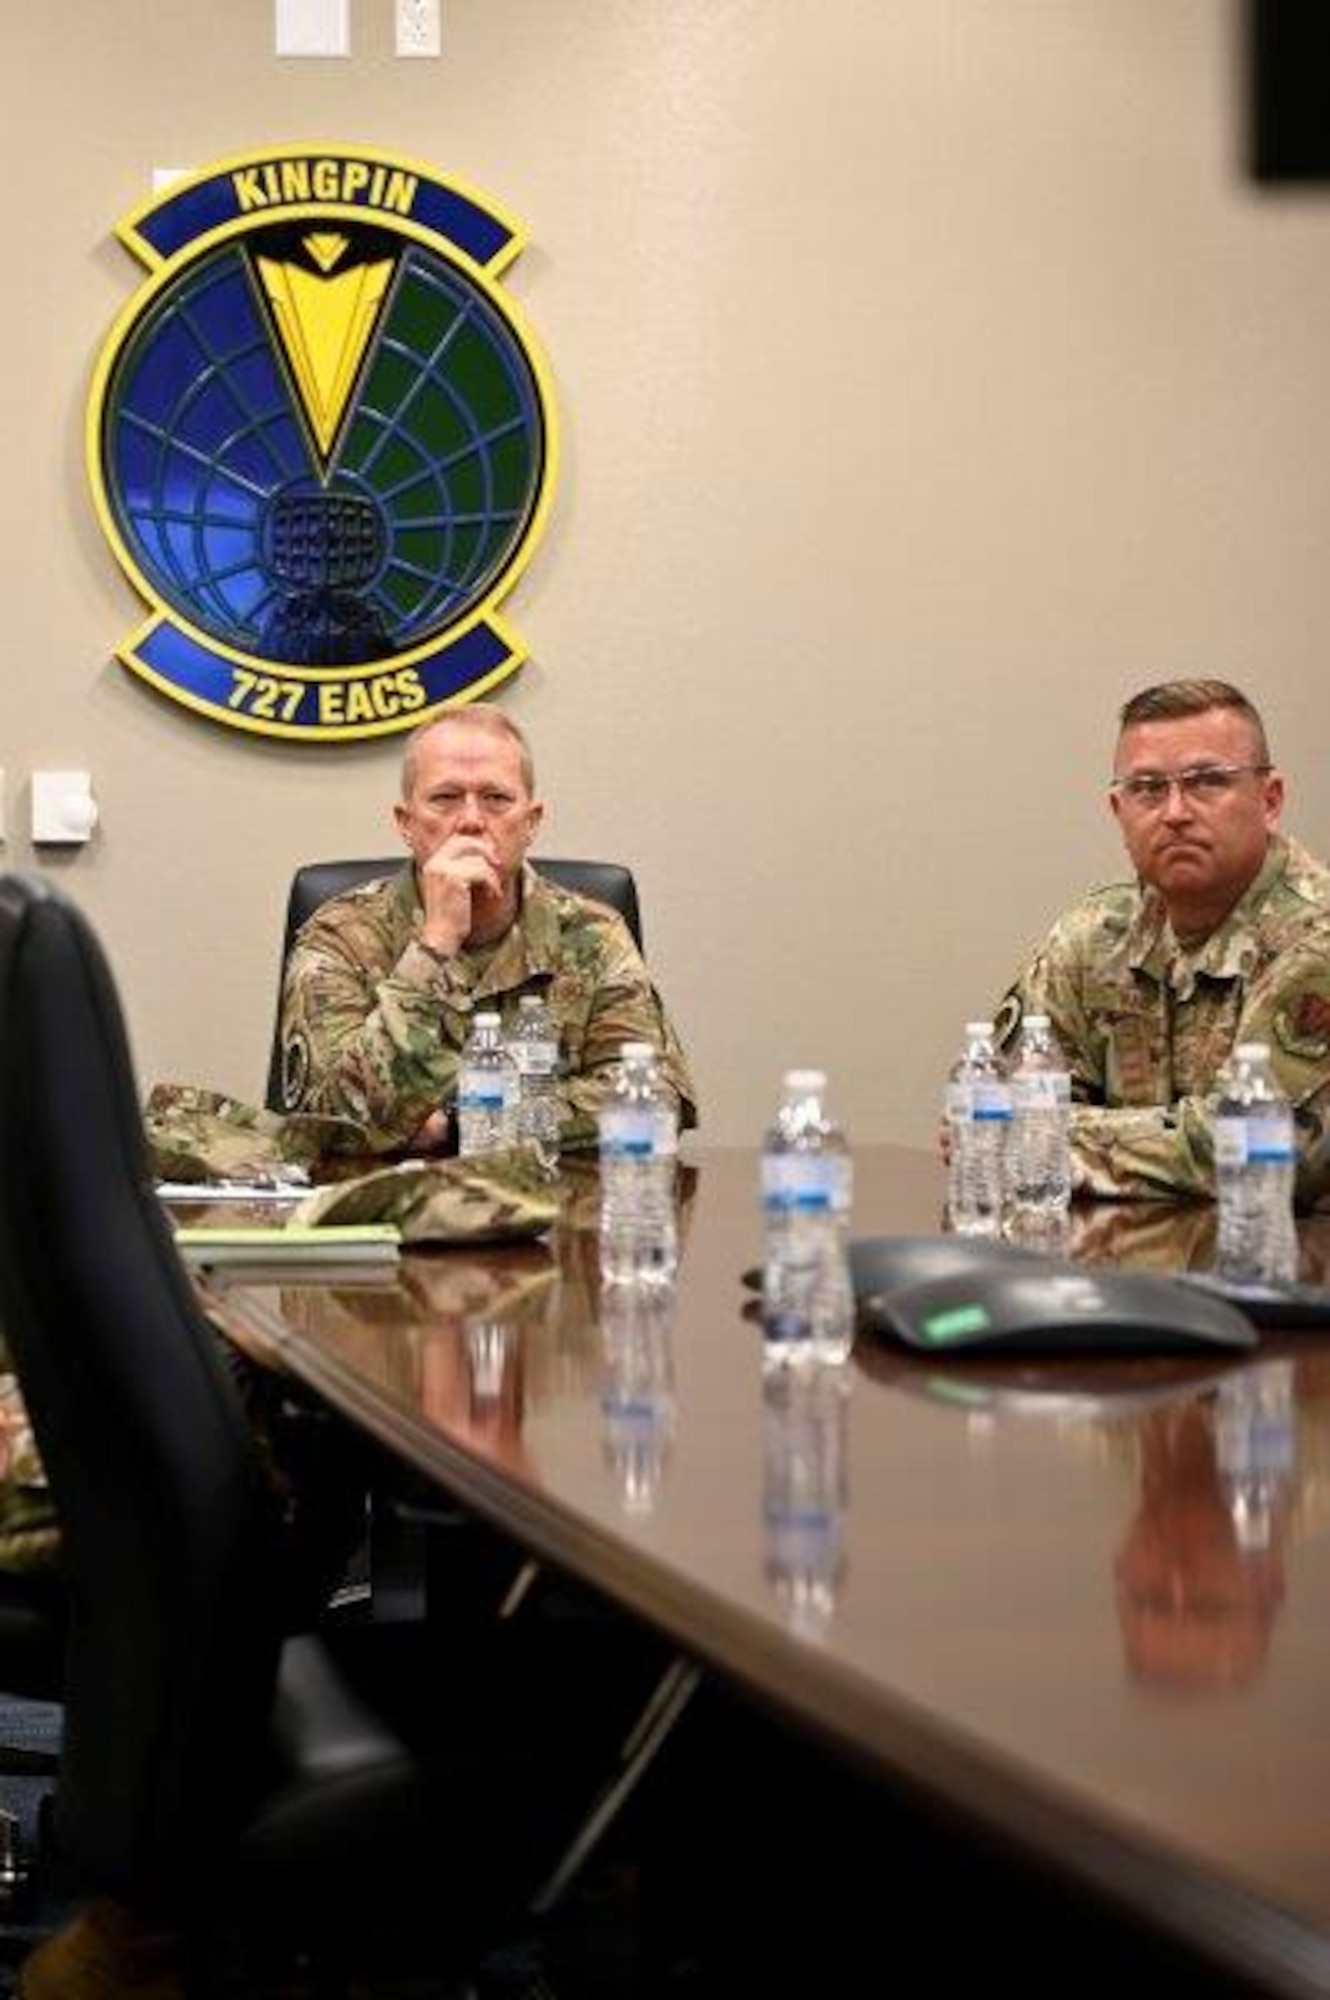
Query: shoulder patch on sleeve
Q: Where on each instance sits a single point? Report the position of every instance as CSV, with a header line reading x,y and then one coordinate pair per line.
x,y
1302,1025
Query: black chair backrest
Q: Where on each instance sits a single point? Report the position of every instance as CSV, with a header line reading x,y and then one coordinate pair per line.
x,y
170,1543
319,881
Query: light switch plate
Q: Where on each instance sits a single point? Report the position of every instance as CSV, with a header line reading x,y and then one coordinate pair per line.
x,y
313,27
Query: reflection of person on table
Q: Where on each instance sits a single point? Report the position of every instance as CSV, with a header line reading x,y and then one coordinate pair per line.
x,y
1223,936
1197,1591
383,982
1176,1236
1143,1236
471,1368
462,1336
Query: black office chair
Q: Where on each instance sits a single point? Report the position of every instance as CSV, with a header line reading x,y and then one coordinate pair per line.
x,y
201,1745
477,1568
317,882
32,1639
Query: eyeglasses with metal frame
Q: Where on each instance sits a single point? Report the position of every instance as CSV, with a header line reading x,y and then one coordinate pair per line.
x,y
1200,784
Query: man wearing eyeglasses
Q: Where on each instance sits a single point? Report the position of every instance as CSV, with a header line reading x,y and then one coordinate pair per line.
x,y
1224,937
383,983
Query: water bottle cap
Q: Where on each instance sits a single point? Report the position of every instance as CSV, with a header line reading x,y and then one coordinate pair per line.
x,y
529,1002
978,1027
487,1020
1036,1020
1252,1051
805,1079
634,1051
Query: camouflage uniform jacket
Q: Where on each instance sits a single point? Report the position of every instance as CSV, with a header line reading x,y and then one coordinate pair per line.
x,y
373,1021
1147,1024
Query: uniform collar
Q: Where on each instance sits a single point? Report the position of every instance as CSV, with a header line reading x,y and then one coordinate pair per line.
x,y
1151,946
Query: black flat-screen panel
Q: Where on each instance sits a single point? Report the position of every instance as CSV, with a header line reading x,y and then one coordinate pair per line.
x,y
1288,71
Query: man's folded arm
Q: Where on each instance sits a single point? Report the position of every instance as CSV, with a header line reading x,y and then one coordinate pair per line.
x,y
1152,1152
1155,1154
371,1050
1170,1150
377,1051
627,1008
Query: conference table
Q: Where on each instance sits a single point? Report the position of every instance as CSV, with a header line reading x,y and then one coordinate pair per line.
x,y
1084,1601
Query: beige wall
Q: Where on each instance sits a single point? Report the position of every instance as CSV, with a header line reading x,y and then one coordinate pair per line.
x,y
930,378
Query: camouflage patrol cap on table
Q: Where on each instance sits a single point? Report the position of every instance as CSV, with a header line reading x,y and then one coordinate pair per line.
x,y
195,1134
492,1198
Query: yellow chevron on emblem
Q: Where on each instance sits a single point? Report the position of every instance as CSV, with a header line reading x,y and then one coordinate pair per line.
x,y
326,247
325,324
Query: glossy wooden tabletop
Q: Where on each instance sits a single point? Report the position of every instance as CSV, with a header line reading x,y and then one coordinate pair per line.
x,y
1089,1601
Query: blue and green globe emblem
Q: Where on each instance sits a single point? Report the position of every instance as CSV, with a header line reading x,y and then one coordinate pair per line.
x,y
321,449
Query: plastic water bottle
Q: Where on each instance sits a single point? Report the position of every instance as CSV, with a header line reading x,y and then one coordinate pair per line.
x,y
978,1111
807,1190
639,1231
1039,1144
486,1090
535,1049
1254,1169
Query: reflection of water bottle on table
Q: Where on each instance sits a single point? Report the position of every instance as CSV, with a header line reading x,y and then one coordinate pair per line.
x,y
1256,1448
637,1399
804,1489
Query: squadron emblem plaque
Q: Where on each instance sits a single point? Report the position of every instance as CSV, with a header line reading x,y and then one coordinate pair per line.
x,y
321,442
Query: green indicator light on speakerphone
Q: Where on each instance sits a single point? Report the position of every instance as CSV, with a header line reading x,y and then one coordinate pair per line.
x,y
955,1323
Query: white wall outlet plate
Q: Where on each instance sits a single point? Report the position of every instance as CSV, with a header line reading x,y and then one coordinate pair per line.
x,y
64,812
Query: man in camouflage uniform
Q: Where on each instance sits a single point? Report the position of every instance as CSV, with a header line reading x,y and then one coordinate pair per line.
x,y
383,983
1224,937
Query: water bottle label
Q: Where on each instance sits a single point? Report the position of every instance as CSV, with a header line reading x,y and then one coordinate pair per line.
x,y
633,1133
536,1058
956,1102
1041,1090
812,1183
1230,1142
1269,1140
488,1090
1240,1142
489,1097
990,1102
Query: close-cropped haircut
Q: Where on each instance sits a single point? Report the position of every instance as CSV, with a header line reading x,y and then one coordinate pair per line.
x,y
1171,699
492,721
